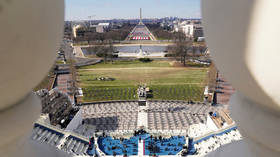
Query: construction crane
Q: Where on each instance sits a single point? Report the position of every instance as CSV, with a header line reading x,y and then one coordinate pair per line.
x,y
90,19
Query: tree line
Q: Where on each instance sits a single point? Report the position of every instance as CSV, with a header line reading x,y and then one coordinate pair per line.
x,y
184,48
89,35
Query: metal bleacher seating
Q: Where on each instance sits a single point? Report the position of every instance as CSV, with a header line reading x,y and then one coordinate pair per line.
x,y
75,146
46,135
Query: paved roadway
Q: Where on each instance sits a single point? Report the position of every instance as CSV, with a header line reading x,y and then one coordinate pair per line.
x,y
79,58
68,50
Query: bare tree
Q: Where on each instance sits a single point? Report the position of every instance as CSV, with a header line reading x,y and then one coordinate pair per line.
x,y
179,36
181,48
106,51
111,50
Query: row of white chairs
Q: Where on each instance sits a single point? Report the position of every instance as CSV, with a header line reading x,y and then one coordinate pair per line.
x,y
173,120
75,146
110,107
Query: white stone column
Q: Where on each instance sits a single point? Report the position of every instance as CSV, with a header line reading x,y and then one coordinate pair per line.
x,y
31,31
243,39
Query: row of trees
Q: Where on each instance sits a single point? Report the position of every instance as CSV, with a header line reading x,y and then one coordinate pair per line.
x,y
160,33
163,34
119,34
89,35
105,50
181,48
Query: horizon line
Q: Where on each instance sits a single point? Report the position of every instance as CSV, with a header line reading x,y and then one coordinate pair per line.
x,y
188,18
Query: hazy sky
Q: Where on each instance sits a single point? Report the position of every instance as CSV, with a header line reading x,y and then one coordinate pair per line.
x,y
128,9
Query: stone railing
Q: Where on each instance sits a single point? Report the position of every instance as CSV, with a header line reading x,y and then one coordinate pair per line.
x,y
245,50
242,36
30,36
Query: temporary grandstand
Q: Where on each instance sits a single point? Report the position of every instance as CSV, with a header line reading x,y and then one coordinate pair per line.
x,y
57,105
125,128
141,32
133,128
65,141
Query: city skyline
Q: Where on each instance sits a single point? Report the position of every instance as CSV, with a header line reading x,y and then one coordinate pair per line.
x,y
129,9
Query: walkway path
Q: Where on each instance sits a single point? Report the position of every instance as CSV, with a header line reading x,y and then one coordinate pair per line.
x,y
141,148
142,119
78,52
142,68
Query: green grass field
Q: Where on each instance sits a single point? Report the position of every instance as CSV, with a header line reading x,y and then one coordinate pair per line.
x,y
166,82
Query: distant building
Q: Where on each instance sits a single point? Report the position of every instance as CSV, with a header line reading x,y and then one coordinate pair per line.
x,y
188,29
191,29
198,32
99,29
104,25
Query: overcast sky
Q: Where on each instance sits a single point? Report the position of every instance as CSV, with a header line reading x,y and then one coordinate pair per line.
x,y
129,9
